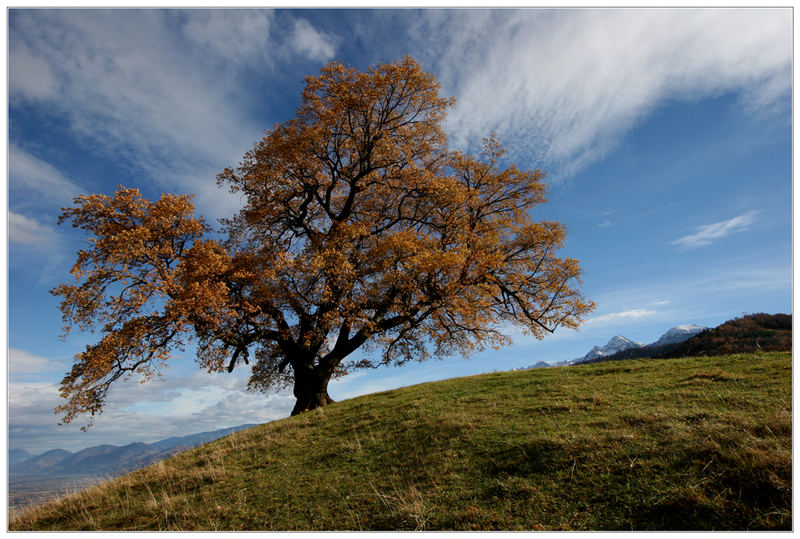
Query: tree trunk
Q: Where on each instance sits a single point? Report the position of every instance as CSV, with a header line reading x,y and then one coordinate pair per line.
x,y
311,390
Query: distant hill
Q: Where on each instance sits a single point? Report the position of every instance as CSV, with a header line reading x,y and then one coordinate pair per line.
x,y
40,464
680,444
58,471
107,459
751,333
18,455
540,365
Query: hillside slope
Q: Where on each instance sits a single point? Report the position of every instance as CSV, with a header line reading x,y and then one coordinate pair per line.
x,y
642,444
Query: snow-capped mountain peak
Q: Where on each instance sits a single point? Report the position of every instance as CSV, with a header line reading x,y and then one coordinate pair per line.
x,y
679,334
616,344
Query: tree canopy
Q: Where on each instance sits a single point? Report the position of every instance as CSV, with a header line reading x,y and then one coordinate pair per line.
x,y
360,230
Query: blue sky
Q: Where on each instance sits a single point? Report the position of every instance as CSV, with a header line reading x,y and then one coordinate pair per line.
x,y
666,134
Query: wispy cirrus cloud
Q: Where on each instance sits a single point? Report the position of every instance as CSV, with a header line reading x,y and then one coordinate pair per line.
x,y
708,234
619,317
154,89
22,362
234,35
27,231
30,176
31,75
128,88
37,249
564,87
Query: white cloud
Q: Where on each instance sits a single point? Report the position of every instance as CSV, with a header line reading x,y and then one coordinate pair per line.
x,y
563,87
239,407
38,250
233,34
619,317
26,231
130,90
707,234
152,89
23,362
140,412
30,75
312,43
29,396
27,173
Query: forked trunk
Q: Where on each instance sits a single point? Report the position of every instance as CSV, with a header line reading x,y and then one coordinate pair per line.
x,y
311,390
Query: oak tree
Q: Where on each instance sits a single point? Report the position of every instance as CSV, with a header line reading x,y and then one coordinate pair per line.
x,y
359,230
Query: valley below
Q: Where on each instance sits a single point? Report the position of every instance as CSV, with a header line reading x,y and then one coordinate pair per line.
x,y
28,491
57,472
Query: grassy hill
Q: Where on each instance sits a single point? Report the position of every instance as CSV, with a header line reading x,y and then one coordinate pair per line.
x,y
697,443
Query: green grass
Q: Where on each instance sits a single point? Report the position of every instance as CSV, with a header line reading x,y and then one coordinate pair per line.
x,y
698,443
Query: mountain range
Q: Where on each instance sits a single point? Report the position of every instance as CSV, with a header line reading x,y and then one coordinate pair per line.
x,y
759,332
106,459
619,344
